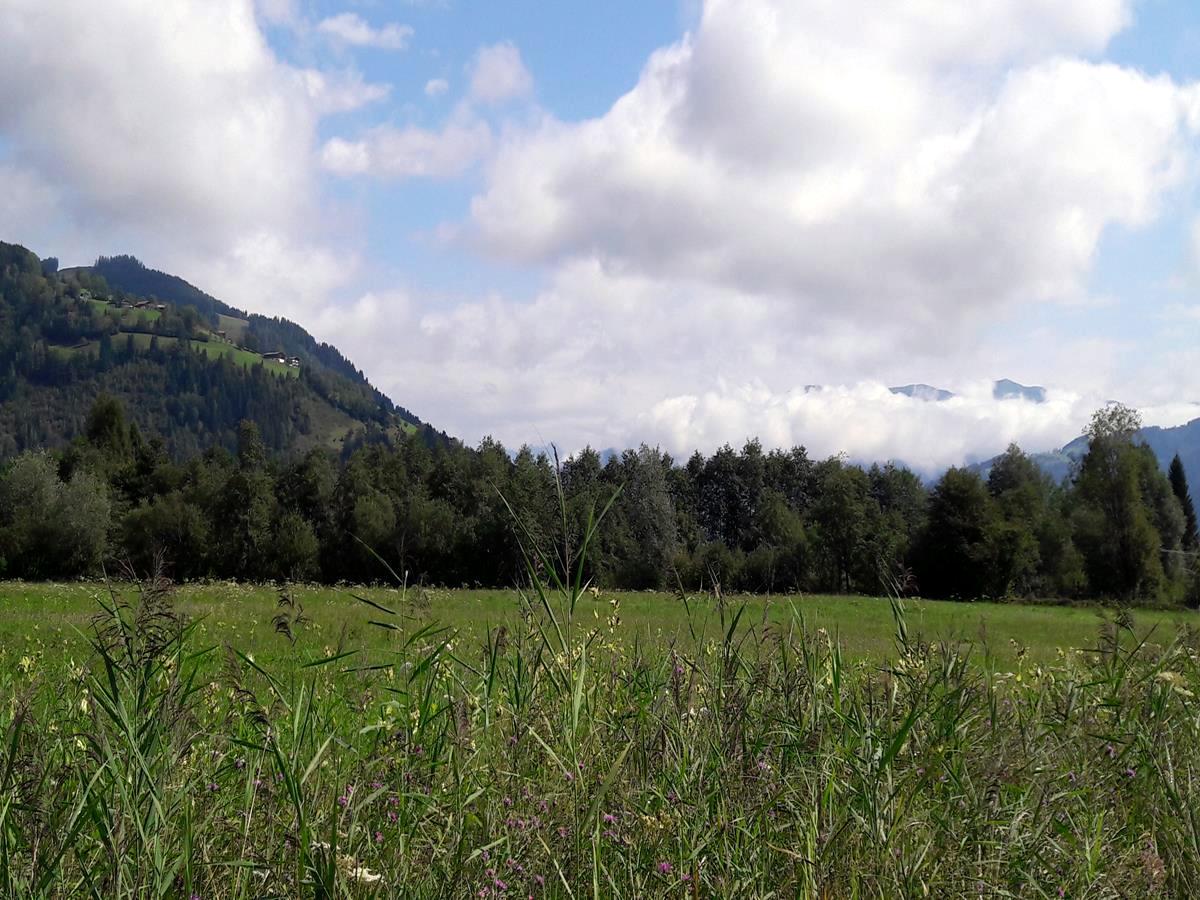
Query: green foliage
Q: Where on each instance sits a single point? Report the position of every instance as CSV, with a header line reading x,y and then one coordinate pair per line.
x,y
48,527
1179,487
68,339
1126,514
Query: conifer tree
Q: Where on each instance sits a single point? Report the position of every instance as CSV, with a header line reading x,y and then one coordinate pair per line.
x,y
1179,486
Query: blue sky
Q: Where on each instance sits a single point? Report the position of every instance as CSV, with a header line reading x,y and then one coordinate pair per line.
x,y
609,223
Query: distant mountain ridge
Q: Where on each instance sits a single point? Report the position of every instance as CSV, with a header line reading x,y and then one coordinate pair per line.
x,y
1004,389
187,366
1183,440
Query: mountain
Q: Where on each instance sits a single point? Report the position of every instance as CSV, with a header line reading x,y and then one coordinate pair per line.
x,y
1165,442
1004,389
185,365
923,392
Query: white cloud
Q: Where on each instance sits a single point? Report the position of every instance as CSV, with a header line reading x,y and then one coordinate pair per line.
x,y
604,360
187,142
805,192
498,74
186,117
341,92
411,152
350,28
278,12
852,178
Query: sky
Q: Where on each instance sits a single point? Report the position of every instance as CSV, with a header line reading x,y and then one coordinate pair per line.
x,y
664,222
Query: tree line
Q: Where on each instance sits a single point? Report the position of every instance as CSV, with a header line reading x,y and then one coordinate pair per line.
x,y
747,520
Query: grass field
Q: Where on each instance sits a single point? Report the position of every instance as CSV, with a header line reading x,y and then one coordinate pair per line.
x,y
241,615
217,742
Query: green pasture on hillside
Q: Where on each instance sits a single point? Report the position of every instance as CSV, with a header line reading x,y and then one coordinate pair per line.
x,y
234,328
213,349
241,616
127,318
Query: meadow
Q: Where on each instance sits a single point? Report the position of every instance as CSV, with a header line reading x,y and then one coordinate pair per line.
x,y
229,741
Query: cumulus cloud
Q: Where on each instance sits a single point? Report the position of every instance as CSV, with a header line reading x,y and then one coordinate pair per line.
x,y
928,162
351,29
586,362
342,91
188,141
800,192
186,117
410,152
498,74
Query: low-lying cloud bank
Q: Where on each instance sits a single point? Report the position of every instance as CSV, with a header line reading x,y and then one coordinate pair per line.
x,y
868,422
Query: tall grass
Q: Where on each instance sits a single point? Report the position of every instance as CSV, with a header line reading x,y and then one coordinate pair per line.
x,y
555,758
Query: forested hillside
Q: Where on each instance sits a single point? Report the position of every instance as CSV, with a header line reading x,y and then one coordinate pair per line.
x,y
187,367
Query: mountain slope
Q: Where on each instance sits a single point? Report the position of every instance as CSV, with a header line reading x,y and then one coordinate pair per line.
x,y
1165,442
187,366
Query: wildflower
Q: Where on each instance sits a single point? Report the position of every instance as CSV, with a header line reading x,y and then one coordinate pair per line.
x,y
343,801
609,818
665,868
1130,773
379,837
213,787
